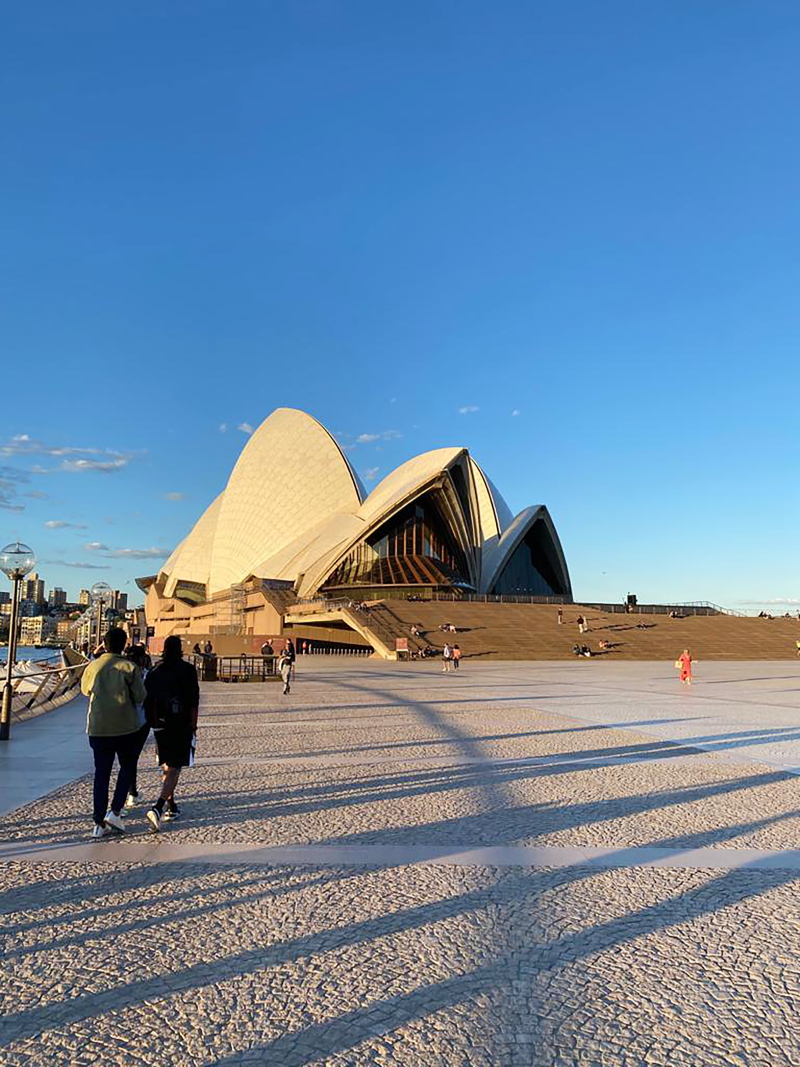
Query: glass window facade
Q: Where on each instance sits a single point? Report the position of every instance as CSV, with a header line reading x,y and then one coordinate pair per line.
x,y
533,567
414,547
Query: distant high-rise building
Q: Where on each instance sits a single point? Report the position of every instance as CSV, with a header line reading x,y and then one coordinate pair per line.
x,y
120,600
57,597
33,630
84,597
32,588
5,597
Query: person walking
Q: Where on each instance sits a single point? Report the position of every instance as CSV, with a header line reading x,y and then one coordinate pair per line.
x,y
447,657
285,670
114,687
456,657
172,704
290,650
581,624
560,616
684,663
138,654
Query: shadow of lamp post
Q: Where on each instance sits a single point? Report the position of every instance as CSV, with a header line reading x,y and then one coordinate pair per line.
x,y
16,560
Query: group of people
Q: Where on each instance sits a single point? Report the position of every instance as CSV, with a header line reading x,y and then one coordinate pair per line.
x,y
127,699
359,605
451,657
285,661
428,652
284,664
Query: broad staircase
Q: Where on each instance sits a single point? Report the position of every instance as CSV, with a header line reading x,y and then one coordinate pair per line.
x,y
532,632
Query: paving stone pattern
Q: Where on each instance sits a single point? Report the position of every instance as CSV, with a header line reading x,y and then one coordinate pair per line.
x,y
106,962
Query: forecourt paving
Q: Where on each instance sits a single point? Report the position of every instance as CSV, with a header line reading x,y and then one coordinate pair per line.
x,y
522,863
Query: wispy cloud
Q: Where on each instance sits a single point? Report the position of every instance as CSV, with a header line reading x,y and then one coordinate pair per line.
x,y
8,501
137,553
10,480
35,494
515,412
80,466
788,601
82,565
245,427
468,409
175,496
126,553
371,473
59,524
383,435
73,457
223,427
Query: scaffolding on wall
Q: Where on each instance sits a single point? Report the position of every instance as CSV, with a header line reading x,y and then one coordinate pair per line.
x,y
231,613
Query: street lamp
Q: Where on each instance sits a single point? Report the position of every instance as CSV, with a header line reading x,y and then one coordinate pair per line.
x,y
16,560
101,593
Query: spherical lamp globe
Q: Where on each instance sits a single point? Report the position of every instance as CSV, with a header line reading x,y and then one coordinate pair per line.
x,y
17,560
101,593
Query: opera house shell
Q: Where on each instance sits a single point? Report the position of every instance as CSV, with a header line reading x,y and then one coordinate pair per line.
x,y
294,512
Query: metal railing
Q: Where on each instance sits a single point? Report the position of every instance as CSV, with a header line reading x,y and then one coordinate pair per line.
x,y
320,604
250,668
213,668
54,687
693,607
696,607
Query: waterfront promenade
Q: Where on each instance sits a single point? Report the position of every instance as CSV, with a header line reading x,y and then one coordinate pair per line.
x,y
521,863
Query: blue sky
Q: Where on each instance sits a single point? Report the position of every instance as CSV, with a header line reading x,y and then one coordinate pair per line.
x,y
564,235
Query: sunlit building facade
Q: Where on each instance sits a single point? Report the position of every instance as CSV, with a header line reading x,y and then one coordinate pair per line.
x,y
436,524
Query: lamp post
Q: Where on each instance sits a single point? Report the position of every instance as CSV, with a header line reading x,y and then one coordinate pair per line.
x,y
101,593
16,560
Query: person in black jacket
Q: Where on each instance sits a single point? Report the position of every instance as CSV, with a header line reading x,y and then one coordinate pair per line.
x,y
171,706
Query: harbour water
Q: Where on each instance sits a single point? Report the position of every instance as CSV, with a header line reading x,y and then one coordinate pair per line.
x,y
31,654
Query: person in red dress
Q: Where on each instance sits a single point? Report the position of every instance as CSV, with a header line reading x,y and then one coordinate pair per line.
x,y
685,660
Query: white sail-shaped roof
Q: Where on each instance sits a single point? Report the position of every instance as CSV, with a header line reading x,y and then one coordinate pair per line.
x,y
293,509
191,560
495,559
291,476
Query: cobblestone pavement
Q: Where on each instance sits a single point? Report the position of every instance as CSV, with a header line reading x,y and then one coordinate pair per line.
x,y
107,961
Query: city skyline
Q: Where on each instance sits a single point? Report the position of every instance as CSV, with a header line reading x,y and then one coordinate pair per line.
x,y
564,242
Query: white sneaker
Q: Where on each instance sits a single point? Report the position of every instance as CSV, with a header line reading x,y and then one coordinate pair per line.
x,y
100,831
114,822
154,818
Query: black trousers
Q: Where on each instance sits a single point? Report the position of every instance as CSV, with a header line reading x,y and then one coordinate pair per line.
x,y
142,737
126,747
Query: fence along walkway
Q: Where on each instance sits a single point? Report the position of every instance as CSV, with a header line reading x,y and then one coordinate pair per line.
x,y
39,691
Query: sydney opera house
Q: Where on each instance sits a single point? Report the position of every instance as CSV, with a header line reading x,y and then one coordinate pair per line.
x,y
294,523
